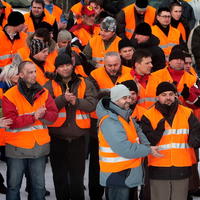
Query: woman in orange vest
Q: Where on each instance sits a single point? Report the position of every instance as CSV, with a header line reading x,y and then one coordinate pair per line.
x,y
177,20
121,145
75,97
174,129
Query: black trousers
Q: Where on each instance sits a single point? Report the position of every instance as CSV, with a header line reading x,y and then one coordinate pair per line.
x,y
96,191
68,167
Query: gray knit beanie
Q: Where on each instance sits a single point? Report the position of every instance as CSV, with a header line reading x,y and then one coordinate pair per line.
x,y
119,91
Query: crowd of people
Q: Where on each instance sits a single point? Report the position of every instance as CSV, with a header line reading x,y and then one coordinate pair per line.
x,y
118,85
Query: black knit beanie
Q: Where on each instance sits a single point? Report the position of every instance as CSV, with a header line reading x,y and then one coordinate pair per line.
x,y
131,85
177,54
164,87
143,29
62,59
141,3
124,43
15,18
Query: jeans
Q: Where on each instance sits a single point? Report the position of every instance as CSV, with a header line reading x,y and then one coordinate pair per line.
x,y
117,193
15,171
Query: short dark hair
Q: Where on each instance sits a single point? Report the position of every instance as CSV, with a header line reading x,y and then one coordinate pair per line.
x,y
175,4
139,54
38,1
98,2
23,64
43,33
161,9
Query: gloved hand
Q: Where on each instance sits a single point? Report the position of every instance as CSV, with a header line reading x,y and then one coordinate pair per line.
x,y
185,92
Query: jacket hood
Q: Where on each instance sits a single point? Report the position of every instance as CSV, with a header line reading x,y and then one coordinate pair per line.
x,y
51,43
107,107
153,41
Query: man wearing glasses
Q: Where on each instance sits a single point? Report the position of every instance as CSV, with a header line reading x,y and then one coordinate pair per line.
x,y
162,29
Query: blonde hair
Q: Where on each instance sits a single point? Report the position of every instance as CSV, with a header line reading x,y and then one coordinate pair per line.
x,y
8,72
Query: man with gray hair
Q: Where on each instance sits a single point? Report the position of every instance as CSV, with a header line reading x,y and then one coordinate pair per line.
x,y
122,145
106,41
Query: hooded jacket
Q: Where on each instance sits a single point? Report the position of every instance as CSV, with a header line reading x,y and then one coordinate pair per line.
x,y
116,137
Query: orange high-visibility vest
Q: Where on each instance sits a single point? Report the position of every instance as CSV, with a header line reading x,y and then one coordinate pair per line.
x,y
8,8
79,70
24,53
76,9
29,22
98,49
4,22
57,12
8,49
82,118
166,42
164,75
84,36
104,82
26,137
129,12
138,112
146,95
108,159
174,142
182,31
40,77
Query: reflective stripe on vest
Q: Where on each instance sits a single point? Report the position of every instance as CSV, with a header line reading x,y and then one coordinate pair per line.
x,y
129,30
37,132
151,99
167,45
173,146
7,56
82,118
108,159
176,131
113,159
98,48
32,128
173,143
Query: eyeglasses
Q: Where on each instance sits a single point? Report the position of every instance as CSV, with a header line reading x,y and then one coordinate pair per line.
x,y
165,16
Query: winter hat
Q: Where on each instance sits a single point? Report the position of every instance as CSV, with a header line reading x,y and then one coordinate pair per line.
x,y
15,18
124,43
143,29
87,10
108,24
164,87
119,91
62,59
36,46
131,85
141,4
176,54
